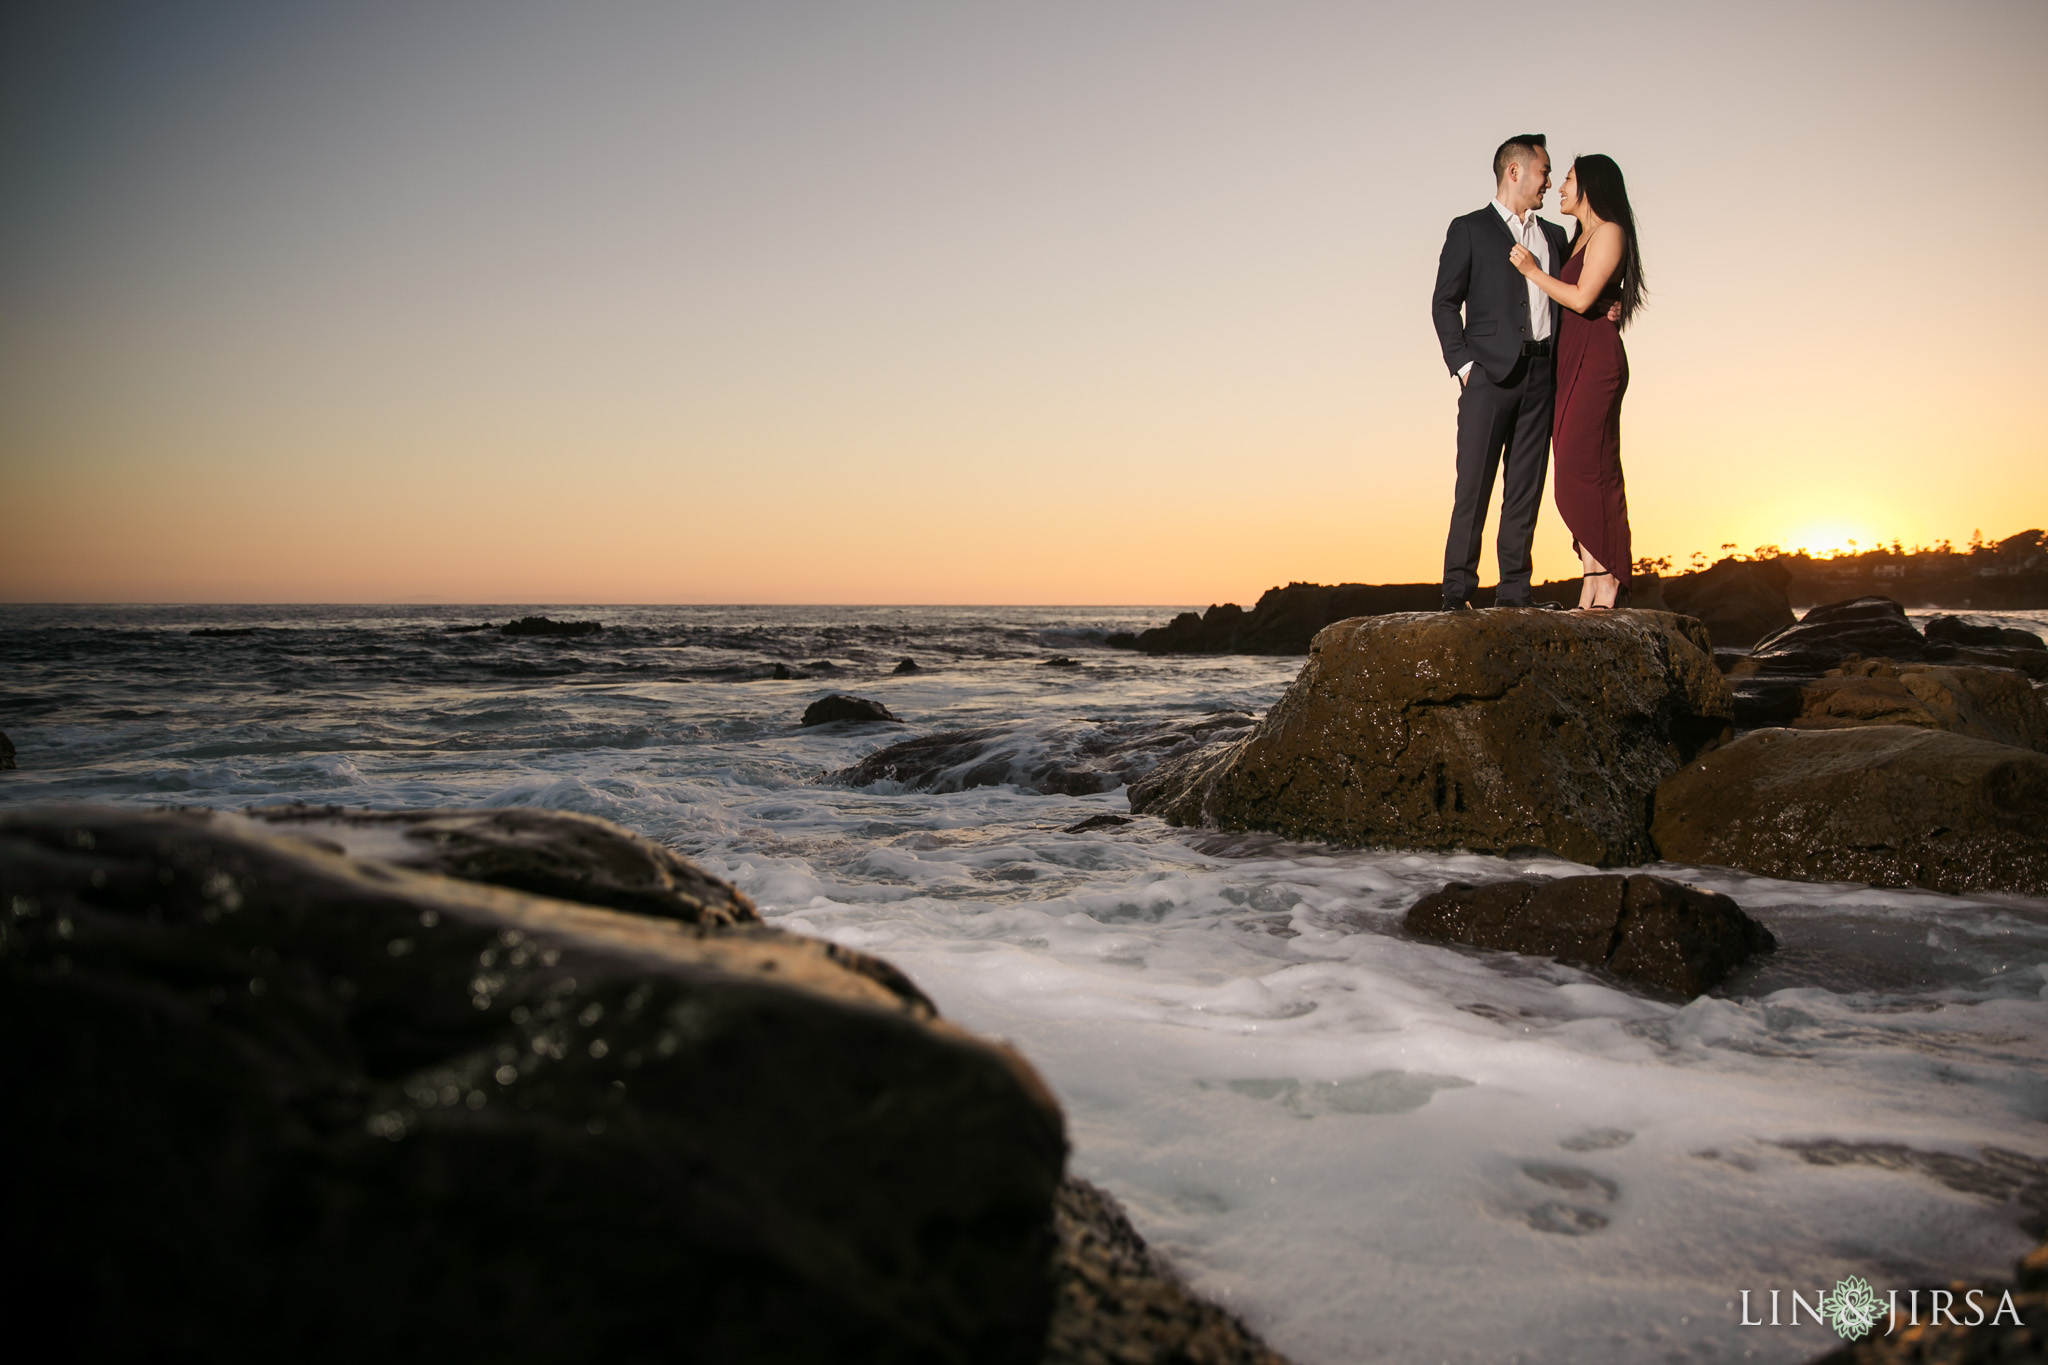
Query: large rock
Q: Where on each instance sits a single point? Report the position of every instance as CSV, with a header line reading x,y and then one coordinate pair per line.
x,y
1488,730
840,707
1739,600
265,1100
1885,804
1863,627
1067,758
1985,703
1648,930
1956,631
1117,1303
543,625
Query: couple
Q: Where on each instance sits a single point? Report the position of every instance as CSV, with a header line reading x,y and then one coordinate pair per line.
x,y
1538,355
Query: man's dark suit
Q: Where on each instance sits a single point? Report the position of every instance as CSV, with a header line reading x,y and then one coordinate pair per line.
x,y
1504,408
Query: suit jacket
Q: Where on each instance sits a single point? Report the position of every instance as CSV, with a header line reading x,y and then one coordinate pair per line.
x,y
1473,273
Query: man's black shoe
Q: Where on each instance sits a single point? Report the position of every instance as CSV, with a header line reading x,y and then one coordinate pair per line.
x,y
1512,602
1455,604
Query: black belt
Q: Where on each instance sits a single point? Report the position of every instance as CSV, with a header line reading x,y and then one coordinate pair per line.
x,y
1536,347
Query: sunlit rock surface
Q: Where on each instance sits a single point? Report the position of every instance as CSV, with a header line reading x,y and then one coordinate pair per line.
x,y
1997,704
1486,730
1646,930
1884,804
267,1099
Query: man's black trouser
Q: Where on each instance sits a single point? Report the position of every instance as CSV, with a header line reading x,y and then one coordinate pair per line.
x,y
1505,423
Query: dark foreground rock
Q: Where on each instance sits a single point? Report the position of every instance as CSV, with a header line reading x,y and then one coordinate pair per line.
x,y
906,666
1740,601
267,1101
1889,805
1490,730
541,625
1994,1338
1069,758
1996,704
6,754
1116,1303
1647,930
1954,630
841,707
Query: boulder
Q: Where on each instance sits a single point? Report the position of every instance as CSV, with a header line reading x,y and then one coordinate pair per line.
x,y
1890,805
467,630
1740,601
1117,1303
269,1101
1095,822
555,853
1647,930
1954,630
840,707
906,666
1060,661
1865,627
541,625
6,754
1985,703
784,673
1068,758
1486,730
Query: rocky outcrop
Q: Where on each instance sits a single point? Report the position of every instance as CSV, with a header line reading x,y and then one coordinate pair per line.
x,y
554,853
267,1099
541,625
1984,703
1953,630
841,707
906,666
1646,930
1740,601
1071,758
1116,1303
1490,730
1885,804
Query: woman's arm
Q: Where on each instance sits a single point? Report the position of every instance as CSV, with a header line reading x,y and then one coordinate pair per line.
x,y
1603,258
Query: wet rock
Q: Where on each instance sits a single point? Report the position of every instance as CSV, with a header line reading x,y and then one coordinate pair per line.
x,y
1117,1303
546,852
1647,930
1061,661
1069,758
1765,701
906,666
1995,1337
1865,627
268,1100
1739,601
1885,804
1985,703
841,707
541,625
223,630
784,673
467,630
1097,822
1489,730
1954,630
6,754
822,666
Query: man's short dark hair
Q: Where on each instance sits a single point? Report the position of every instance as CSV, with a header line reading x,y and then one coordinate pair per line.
x,y
1520,147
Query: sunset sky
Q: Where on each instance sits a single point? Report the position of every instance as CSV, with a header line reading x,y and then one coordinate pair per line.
x,y
959,302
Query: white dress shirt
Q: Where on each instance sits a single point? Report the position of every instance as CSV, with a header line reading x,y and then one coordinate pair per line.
x,y
1526,230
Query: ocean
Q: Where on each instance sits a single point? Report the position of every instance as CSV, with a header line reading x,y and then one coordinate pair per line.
x,y
1371,1147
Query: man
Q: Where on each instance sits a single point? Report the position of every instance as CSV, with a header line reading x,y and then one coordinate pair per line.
x,y
1500,353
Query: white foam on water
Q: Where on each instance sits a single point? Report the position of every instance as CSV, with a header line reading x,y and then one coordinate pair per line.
x,y
1373,1147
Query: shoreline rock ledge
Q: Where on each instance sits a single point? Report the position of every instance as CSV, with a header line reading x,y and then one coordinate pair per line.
x,y
1494,731
329,1085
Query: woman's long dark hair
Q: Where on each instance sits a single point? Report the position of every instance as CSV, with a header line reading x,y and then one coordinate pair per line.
x,y
1600,181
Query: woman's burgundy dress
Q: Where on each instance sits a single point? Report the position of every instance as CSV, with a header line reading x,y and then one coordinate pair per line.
x,y
1585,428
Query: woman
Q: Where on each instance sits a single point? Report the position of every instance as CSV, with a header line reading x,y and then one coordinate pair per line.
x,y
1604,269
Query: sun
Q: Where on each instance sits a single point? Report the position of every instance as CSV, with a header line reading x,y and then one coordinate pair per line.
x,y
1826,539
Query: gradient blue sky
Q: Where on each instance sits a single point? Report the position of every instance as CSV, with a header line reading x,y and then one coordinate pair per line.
x,y
957,303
